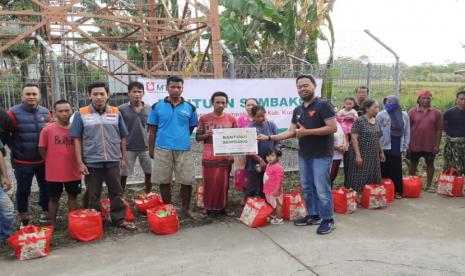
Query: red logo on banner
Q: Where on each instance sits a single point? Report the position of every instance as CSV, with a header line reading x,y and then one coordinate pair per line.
x,y
150,86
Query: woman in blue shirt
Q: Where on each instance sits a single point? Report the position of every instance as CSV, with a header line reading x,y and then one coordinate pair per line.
x,y
395,126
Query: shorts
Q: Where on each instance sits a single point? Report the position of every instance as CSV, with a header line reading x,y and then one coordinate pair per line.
x,y
144,161
73,188
415,156
165,162
273,199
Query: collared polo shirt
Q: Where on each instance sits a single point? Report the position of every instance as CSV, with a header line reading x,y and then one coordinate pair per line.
x,y
173,124
314,116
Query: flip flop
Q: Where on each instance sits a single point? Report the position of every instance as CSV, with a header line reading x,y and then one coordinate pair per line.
x,y
195,215
128,226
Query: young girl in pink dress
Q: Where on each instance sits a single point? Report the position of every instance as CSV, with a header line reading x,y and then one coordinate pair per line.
x,y
273,185
347,116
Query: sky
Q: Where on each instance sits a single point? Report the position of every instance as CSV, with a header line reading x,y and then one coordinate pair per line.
x,y
419,31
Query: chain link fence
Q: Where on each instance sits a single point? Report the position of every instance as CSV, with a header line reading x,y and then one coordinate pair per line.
x,y
75,75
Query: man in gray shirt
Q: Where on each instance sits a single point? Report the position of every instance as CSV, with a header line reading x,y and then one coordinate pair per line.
x,y
135,116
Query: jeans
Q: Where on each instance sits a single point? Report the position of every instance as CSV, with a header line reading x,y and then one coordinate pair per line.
x,y
6,215
316,186
24,174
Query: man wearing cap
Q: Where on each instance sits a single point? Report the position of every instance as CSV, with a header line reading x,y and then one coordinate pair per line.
x,y
425,135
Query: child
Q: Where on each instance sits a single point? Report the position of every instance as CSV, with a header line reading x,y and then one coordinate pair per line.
x,y
273,185
341,145
6,206
347,115
256,163
61,168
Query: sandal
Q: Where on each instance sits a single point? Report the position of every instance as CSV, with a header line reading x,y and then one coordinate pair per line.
x,y
128,226
195,215
228,213
277,221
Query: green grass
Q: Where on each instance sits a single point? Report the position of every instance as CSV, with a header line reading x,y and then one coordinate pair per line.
x,y
443,92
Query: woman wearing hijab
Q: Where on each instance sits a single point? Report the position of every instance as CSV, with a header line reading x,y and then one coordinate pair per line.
x,y
395,126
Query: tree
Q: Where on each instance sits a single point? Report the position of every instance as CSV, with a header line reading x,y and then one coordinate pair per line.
x,y
249,27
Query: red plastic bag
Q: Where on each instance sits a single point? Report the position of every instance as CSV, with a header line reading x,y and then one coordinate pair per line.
x,y
199,199
85,225
31,242
293,206
129,216
240,179
143,202
163,219
449,184
344,200
374,196
255,212
390,189
412,186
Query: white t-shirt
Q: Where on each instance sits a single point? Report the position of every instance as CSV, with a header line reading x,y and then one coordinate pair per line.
x,y
338,140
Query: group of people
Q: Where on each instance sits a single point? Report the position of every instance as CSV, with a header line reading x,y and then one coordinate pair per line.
x,y
379,141
103,142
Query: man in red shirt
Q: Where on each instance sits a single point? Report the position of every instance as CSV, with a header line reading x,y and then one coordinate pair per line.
x,y
61,168
425,135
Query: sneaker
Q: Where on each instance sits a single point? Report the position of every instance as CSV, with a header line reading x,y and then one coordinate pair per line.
x,y
44,218
307,220
277,221
432,190
326,227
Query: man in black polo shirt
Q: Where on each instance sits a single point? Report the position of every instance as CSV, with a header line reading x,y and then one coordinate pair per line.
x,y
313,123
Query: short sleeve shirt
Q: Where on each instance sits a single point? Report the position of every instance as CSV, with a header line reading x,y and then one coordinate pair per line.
x,y
314,116
454,122
424,123
60,160
137,139
173,124
268,128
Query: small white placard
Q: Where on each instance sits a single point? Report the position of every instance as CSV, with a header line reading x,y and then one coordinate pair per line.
x,y
234,141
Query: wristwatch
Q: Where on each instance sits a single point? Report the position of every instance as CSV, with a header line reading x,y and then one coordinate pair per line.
x,y
269,137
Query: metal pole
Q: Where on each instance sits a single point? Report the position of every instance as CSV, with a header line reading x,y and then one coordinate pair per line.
x,y
232,67
55,66
397,76
369,73
302,60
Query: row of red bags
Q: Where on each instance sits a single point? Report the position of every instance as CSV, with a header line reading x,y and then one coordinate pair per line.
x,y
378,195
87,225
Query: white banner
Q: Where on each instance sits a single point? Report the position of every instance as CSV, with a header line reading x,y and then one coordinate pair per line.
x,y
234,141
278,96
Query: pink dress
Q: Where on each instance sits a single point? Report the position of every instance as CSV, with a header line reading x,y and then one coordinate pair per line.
x,y
346,119
273,178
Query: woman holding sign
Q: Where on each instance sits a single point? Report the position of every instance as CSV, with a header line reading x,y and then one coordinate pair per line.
x,y
215,169
256,164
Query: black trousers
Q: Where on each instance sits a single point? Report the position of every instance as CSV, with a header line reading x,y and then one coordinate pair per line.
x,y
254,184
392,169
111,177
